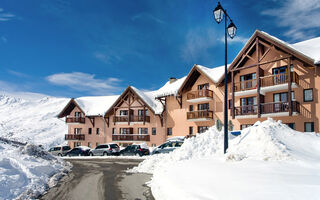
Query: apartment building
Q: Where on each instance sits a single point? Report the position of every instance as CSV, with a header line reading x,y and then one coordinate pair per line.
x,y
271,78
268,78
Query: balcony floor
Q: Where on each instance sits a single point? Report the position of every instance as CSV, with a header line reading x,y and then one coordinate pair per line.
x,y
201,99
199,120
264,90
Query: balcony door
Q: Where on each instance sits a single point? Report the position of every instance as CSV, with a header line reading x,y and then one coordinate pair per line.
x,y
248,81
248,105
280,101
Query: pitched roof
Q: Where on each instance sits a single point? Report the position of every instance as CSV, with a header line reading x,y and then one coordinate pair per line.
x,y
169,88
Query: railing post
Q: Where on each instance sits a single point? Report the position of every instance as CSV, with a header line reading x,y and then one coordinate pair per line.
x,y
289,86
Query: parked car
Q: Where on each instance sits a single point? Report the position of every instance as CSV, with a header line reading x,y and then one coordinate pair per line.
x,y
79,151
59,150
105,150
168,146
135,150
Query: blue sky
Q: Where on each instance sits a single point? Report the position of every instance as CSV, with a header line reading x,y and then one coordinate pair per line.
x,y
75,48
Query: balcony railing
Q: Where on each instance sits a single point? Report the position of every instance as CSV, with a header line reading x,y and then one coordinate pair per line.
x,y
246,110
245,85
207,114
200,94
276,107
278,79
130,137
272,80
267,108
133,118
81,120
74,137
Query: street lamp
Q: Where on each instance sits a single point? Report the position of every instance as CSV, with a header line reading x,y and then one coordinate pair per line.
x,y
219,12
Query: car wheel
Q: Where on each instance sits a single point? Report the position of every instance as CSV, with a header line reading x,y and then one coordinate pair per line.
x,y
105,154
138,154
90,154
59,154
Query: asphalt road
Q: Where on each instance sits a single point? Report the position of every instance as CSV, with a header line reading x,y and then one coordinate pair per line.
x,y
101,179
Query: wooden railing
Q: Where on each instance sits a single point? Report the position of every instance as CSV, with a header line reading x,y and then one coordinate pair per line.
x,y
81,120
130,137
246,110
266,81
245,85
199,94
267,108
275,107
200,114
74,137
133,118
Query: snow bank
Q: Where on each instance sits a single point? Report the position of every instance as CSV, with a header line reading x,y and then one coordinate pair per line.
x,y
27,172
272,140
201,146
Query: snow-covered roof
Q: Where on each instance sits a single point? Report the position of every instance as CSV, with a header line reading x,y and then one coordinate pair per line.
x,y
169,88
96,105
215,73
149,98
309,48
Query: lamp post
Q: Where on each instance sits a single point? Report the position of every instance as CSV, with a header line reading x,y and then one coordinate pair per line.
x,y
218,14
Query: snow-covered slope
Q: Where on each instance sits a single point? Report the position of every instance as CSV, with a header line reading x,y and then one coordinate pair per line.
x,y
32,119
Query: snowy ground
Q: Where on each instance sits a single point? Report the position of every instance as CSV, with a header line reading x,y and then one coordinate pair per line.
x,y
268,161
26,172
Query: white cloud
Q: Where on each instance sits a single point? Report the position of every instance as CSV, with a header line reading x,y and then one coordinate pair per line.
x,y
236,39
86,82
301,17
109,57
18,74
5,16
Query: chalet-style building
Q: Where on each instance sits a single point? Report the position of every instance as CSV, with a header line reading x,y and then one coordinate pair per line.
x,y
271,78
268,78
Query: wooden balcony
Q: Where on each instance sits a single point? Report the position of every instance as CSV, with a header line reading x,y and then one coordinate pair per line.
x,y
74,137
130,137
199,95
275,109
80,120
133,118
201,115
270,83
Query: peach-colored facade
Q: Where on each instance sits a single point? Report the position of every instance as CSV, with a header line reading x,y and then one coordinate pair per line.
x,y
264,66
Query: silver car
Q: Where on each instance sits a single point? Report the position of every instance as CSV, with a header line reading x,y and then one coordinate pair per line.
x,y
105,150
168,146
59,150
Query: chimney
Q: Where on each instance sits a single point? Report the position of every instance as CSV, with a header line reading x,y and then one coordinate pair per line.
x,y
172,79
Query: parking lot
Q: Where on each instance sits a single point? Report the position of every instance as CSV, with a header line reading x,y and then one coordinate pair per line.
x,y
101,179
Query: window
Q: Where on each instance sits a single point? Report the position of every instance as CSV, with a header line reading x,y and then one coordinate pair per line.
x,y
230,103
76,144
190,130
89,144
77,131
308,127
190,108
202,129
154,131
293,95
89,131
292,125
125,131
98,131
123,112
243,126
140,113
77,114
153,145
308,95
143,131
203,86
246,83
169,131
248,105
204,106
114,131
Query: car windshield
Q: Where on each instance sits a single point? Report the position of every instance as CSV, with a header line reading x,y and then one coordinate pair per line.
x,y
113,146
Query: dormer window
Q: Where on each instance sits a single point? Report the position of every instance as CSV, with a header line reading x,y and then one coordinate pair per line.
x,y
123,112
78,114
203,86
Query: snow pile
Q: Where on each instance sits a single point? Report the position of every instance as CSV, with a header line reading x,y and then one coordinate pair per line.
x,y
170,88
27,172
32,120
203,145
272,140
150,99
